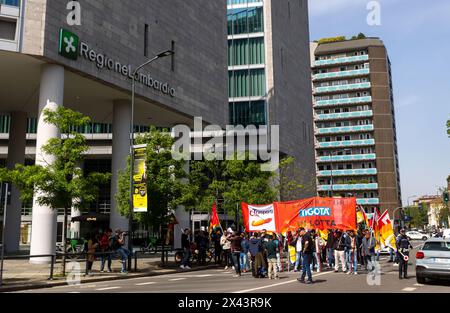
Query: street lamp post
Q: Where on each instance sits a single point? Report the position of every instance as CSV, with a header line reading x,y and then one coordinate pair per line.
x,y
133,87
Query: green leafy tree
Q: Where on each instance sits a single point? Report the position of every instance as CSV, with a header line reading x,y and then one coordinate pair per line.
x,y
291,180
166,187
448,128
61,184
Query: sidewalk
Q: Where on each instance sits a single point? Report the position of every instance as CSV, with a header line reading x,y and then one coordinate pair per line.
x,y
21,275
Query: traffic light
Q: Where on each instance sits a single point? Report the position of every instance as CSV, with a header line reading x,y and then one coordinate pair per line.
x,y
445,196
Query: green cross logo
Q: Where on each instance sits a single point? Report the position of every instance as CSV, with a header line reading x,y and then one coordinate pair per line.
x,y
68,44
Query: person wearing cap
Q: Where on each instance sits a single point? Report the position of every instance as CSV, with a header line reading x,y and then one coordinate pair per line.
x,y
403,246
118,246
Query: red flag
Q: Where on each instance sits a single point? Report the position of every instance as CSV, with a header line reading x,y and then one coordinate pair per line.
x,y
214,218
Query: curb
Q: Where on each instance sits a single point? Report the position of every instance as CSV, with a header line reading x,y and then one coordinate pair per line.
x,y
96,280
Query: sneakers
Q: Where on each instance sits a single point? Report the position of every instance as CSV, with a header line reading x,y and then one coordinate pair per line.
x,y
187,267
182,267
301,280
226,267
236,275
232,267
309,282
123,272
349,272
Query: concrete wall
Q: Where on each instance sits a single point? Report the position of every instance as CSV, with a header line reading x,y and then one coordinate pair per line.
x,y
289,84
116,28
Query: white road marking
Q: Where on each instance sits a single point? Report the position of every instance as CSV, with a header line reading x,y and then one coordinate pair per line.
x,y
147,283
278,284
409,289
175,279
107,288
74,292
419,285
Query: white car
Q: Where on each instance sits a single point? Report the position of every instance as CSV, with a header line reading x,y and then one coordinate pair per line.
x,y
433,260
415,235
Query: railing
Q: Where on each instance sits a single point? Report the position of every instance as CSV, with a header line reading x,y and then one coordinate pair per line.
x,y
357,58
345,143
351,157
363,71
339,187
343,101
344,129
368,171
345,115
342,87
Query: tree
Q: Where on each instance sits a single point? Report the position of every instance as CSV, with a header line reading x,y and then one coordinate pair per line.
x,y
419,216
165,186
291,180
448,128
62,183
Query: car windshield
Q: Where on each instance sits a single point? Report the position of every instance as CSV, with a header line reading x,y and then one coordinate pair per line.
x,y
437,246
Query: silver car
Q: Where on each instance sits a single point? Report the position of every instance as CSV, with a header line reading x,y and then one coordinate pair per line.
x,y
433,260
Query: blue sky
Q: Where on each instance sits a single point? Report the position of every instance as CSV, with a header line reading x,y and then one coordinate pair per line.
x,y
417,36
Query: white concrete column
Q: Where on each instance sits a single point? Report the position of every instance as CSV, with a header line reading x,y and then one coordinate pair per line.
x,y
16,155
183,217
120,152
51,95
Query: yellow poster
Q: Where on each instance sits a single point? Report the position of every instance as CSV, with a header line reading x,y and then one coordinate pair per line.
x,y
139,179
292,254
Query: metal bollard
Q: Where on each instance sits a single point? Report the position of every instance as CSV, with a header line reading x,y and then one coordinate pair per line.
x,y
52,267
86,272
135,261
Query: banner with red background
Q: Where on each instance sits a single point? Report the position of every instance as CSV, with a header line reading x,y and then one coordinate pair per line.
x,y
314,213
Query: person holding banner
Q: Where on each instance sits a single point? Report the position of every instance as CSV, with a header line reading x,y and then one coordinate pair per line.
x,y
307,252
368,250
353,254
403,246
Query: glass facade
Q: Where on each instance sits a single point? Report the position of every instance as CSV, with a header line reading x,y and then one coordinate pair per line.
x,y
244,52
245,21
248,113
10,2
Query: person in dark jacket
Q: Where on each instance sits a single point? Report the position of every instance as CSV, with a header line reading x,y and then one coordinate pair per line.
x,y
403,246
270,249
215,238
202,243
236,248
330,249
244,253
186,245
255,249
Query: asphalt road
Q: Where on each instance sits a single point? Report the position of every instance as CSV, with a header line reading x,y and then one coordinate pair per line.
x,y
222,281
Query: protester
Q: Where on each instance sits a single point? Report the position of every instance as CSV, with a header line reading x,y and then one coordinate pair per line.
x,y
353,254
236,249
217,247
403,246
226,247
297,240
270,248
92,246
330,249
105,248
186,245
244,253
368,250
306,257
254,247
202,243
339,251
118,243
319,245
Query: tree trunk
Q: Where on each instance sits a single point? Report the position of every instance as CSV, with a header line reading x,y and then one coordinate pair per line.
x,y
64,230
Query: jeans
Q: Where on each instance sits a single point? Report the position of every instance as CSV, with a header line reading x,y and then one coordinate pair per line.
x,y
348,261
403,266
298,260
237,266
306,269
352,261
330,254
228,258
370,262
313,261
278,262
186,256
103,259
244,261
391,254
272,267
123,254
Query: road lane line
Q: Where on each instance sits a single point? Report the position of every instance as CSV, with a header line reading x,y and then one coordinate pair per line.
x,y
277,284
409,289
107,288
74,292
147,283
419,285
176,279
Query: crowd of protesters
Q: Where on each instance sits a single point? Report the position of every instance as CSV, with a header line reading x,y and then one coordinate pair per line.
x,y
260,252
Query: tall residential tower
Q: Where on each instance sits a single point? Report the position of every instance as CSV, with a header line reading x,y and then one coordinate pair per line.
x,y
356,143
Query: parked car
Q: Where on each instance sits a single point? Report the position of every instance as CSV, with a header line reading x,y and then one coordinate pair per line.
x,y
415,235
433,260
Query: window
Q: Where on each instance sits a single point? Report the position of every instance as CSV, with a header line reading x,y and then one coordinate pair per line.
x,y
248,113
146,40
246,83
246,51
349,166
347,137
242,21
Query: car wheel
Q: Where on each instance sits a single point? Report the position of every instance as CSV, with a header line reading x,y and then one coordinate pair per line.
x,y
421,279
424,238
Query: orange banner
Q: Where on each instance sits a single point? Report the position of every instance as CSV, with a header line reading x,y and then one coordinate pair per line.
x,y
314,213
